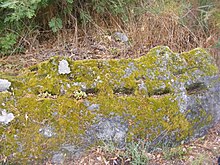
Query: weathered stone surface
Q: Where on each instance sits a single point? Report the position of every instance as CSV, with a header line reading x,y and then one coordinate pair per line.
x,y
162,97
108,130
58,159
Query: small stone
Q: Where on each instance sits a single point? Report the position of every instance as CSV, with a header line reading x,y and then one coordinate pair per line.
x,y
6,118
4,85
63,67
121,37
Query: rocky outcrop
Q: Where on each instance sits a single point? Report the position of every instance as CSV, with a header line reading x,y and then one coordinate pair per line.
x,y
161,97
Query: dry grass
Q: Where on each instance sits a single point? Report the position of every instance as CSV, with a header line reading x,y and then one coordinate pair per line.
x,y
172,24
144,32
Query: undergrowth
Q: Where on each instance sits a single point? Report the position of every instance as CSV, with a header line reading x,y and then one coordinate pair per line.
x,y
181,25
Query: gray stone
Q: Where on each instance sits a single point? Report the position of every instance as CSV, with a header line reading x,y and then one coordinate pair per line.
x,y
63,67
4,85
121,37
6,118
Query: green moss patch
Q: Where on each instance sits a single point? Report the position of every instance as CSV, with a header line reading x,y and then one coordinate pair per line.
x,y
144,92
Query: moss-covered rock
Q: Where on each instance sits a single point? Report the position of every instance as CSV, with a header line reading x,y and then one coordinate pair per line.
x,y
158,97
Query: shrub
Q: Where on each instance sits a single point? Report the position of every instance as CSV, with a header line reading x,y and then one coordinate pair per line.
x,y
22,16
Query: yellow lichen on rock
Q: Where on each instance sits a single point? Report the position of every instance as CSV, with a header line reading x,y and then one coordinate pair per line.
x,y
150,94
